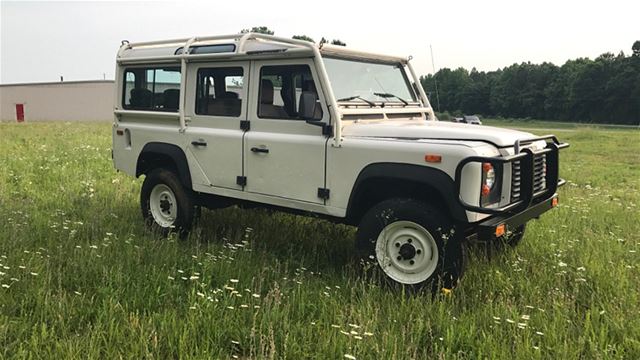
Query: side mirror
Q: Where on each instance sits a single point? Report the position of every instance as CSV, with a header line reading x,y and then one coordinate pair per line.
x,y
327,129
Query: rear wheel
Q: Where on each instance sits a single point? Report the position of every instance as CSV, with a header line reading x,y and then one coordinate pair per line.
x,y
411,243
166,205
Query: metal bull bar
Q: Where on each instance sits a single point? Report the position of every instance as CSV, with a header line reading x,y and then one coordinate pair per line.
x,y
526,157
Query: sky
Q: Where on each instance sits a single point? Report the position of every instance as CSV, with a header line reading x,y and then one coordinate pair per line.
x,y
43,40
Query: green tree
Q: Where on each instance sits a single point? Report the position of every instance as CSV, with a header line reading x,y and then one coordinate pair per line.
x,y
258,29
338,42
636,48
302,37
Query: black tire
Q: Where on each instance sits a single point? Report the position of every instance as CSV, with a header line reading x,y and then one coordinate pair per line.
x,y
406,213
184,204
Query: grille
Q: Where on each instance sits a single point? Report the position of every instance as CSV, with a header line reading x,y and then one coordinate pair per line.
x,y
539,177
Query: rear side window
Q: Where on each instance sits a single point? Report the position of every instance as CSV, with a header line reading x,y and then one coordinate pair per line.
x,y
219,91
152,89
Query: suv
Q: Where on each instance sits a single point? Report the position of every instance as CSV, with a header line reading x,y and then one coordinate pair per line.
x,y
349,136
472,119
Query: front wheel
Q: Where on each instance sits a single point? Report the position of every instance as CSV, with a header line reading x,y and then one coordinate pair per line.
x,y
166,205
411,243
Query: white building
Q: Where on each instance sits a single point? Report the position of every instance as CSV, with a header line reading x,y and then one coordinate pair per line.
x,y
57,101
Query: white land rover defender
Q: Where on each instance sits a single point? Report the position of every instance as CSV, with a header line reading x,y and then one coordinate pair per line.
x,y
327,131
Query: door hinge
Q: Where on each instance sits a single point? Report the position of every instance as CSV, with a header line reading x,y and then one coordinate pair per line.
x,y
241,180
323,193
245,125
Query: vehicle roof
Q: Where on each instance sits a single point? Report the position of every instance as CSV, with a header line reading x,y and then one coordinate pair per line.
x,y
238,46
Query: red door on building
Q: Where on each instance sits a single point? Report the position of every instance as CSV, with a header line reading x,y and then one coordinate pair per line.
x,y
19,113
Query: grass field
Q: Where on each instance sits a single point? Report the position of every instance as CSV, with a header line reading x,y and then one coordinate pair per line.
x,y
81,278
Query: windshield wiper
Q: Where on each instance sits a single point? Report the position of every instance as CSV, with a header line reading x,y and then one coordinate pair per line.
x,y
372,104
387,95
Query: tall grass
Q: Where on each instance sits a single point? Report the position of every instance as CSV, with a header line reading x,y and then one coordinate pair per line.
x,y
81,278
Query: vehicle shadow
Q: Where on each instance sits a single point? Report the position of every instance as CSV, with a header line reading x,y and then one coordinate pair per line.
x,y
303,241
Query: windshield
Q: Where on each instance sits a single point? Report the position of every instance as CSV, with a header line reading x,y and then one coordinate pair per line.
x,y
366,81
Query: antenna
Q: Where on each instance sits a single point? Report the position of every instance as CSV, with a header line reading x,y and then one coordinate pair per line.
x,y
433,65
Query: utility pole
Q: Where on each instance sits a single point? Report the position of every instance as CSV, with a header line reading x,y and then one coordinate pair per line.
x,y
433,65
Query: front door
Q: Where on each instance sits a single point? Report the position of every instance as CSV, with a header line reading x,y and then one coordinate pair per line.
x,y
284,155
213,134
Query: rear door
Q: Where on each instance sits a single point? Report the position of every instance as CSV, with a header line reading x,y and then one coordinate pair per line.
x,y
213,134
284,155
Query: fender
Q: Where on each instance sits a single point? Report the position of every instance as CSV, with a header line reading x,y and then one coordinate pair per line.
x,y
155,151
436,179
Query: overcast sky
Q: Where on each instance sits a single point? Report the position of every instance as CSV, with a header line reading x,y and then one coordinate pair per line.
x,y
41,40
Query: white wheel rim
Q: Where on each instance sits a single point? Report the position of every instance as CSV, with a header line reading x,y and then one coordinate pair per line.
x,y
407,252
163,205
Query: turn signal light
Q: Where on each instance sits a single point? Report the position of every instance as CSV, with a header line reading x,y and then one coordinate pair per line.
x,y
500,230
554,202
431,158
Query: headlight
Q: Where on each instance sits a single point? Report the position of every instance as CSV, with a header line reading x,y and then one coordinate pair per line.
x,y
489,175
490,186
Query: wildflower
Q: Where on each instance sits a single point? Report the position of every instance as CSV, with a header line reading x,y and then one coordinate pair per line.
x,y
193,277
367,334
244,306
257,296
344,332
355,326
524,317
510,321
34,274
350,357
234,280
335,326
231,308
171,278
358,337
234,342
539,333
77,292
6,286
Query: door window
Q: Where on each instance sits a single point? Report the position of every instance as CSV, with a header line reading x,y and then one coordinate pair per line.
x,y
288,92
219,91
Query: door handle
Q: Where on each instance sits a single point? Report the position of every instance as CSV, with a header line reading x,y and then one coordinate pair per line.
x,y
199,143
259,150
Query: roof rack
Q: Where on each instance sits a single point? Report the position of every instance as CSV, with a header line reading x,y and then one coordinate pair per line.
x,y
239,40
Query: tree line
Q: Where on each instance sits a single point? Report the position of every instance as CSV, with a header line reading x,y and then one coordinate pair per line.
x,y
604,90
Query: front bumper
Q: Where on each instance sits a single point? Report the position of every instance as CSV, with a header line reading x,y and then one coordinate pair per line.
x,y
500,225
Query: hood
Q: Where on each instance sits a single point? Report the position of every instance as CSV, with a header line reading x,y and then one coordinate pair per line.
x,y
440,130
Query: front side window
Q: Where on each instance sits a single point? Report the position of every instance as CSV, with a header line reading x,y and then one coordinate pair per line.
x,y
219,91
288,92
353,80
152,89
